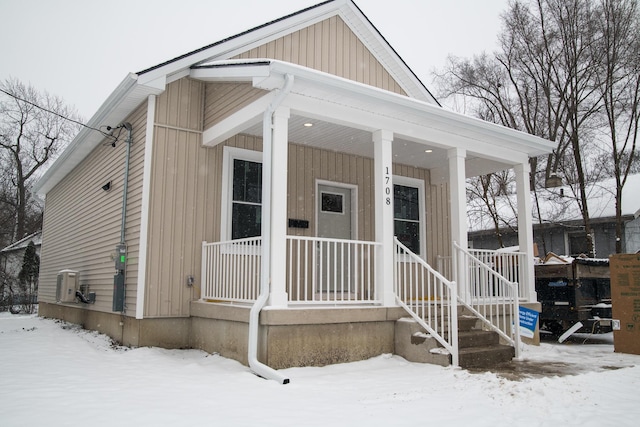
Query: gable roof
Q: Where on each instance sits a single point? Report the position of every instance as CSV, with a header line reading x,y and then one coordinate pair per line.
x,y
36,238
414,116
350,13
136,87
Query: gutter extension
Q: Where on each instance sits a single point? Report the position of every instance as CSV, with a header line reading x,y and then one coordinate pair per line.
x,y
256,366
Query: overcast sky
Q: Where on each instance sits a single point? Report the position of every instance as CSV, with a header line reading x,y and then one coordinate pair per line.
x,y
81,50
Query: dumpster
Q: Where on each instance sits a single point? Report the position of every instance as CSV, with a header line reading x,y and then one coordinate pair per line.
x,y
572,291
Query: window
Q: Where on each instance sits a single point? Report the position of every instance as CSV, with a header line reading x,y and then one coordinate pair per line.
x,y
242,200
332,203
246,211
408,213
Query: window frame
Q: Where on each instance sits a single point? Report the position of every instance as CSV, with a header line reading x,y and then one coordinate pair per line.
x,y
230,154
419,184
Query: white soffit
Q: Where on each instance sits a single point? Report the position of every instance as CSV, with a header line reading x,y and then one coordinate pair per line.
x,y
122,101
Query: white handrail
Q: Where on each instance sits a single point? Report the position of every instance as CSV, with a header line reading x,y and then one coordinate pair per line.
x,y
489,295
429,297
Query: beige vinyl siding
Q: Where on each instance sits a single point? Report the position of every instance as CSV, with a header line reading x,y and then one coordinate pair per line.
x,y
181,193
82,221
329,46
186,192
224,99
439,227
185,206
309,164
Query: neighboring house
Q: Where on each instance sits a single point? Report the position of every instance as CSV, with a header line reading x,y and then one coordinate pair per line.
x,y
632,234
268,174
562,229
12,257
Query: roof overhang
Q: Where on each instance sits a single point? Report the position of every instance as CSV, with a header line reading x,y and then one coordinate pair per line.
x,y
128,96
343,102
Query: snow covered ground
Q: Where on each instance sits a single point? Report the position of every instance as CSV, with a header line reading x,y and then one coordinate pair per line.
x,y
58,374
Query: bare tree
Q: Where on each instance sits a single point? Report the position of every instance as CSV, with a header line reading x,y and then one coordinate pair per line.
x,y
33,128
547,80
619,85
488,197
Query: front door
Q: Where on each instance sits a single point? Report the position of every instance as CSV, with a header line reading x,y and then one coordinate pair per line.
x,y
334,213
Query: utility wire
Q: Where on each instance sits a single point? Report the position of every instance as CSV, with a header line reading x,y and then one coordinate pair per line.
x,y
58,114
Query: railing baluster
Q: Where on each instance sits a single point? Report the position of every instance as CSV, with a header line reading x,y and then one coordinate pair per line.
x,y
494,282
318,270
425,294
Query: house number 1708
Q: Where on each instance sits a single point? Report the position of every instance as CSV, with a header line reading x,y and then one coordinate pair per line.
x,y
387,187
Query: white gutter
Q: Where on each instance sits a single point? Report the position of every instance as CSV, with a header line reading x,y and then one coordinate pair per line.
x,y
256,366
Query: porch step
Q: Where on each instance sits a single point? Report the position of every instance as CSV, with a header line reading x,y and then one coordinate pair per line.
x,y
477,338
485,357
477,348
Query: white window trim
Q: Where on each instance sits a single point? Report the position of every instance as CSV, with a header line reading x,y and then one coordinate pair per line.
x,y
419,184
229,155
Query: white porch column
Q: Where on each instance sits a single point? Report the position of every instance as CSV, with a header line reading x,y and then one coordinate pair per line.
x,y
525,230
278,208
457,194
383,161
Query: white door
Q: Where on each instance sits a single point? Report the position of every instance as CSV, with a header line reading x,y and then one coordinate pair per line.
x,y
334,213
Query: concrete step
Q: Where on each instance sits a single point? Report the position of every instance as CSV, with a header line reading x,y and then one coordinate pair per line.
x,y
467,323
485,357
478,349
477,338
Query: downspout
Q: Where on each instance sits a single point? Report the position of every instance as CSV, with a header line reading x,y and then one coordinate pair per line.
x,y
256,366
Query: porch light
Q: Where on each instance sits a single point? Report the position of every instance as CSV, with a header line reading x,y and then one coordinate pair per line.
x,y
308,125
428,151
553,181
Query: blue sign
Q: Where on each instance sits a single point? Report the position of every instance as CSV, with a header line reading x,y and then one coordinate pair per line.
x,y
528,321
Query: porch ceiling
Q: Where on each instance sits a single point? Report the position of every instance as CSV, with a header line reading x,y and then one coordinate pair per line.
x,y
344,114
335,137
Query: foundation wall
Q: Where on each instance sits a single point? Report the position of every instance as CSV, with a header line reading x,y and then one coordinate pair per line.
x,y
289,338
128,331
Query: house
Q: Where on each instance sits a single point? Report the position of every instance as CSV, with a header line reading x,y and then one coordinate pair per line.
x,y
561,230
11,260
278,197
12,256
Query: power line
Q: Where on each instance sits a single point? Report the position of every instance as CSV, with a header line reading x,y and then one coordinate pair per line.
x,y
58,114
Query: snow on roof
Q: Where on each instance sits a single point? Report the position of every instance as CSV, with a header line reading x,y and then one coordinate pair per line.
x,y
36,238
561,204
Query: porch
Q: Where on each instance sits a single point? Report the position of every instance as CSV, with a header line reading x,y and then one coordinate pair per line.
x,y
389,143
333,287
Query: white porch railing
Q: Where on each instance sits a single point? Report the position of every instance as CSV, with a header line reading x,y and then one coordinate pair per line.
x,y
321,270
331,271
492,297
509,265
428,297
231,270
